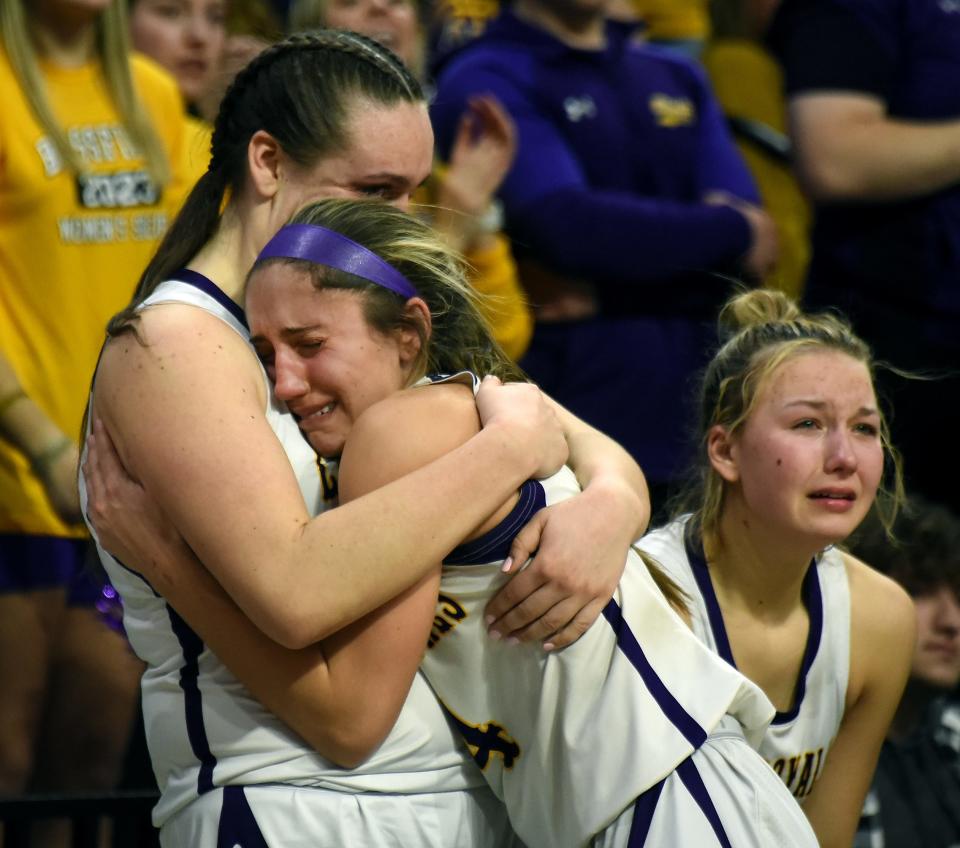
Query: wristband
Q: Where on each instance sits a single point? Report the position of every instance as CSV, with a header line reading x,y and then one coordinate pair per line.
x,y
49,454
491,219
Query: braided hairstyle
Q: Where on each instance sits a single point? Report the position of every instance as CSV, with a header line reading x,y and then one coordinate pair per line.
x,y
760,330
299,90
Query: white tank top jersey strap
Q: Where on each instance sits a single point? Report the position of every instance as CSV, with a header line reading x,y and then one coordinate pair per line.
x,y
593,744
204,730
797,741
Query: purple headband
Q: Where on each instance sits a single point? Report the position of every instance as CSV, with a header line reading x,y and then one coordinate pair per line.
x,y
329,248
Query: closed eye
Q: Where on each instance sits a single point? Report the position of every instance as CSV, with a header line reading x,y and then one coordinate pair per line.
x,y
264,354
385,192
309,348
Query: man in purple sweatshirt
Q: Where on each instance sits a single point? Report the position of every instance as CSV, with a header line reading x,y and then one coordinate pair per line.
x,y
629,207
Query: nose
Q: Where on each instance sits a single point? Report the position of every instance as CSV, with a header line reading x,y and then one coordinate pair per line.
x,y
840,454
948,611
289,379
198,29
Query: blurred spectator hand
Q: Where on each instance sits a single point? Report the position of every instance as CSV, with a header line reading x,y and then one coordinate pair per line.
x,y
482,153
760,259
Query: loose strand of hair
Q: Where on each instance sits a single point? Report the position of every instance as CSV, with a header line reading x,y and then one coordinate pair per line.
x,y
114,40
19,46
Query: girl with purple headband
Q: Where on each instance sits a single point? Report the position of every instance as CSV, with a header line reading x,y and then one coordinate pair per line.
x,y
635,735
237,739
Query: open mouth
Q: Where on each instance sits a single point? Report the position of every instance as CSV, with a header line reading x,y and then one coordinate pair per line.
x,y
828,495
312,416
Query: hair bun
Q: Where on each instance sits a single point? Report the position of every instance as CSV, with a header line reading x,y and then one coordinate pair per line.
x,y
753,307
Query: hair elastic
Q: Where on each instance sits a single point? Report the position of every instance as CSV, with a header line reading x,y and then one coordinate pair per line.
x,y
334,250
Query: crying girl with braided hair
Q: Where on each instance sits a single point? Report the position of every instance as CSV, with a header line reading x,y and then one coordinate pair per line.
x,y
327,740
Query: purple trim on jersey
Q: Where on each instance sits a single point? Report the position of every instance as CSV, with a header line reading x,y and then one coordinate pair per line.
x,y
645,806
812,600
208,286
192,647
643,809
701,573
238,825
334,250
695,786
669,705
495,543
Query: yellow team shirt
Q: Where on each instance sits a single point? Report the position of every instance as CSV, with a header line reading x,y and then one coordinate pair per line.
x,y
197,148
669,20
72,248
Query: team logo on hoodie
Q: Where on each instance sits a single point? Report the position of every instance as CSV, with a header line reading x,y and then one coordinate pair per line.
x,y
672,111
578,108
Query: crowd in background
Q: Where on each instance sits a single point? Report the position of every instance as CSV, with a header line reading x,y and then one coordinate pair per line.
x,y
608,200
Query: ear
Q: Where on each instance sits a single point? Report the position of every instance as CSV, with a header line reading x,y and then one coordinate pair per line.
x,y
264,160
410,344
723,454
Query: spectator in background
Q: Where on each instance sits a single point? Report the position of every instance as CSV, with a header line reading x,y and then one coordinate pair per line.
x,y
91,145
458,198
188,38
874,105
627,193
682,25
251,26
915,798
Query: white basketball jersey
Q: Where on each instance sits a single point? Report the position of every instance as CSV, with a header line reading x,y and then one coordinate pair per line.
x,y
570,739
797,741
203,728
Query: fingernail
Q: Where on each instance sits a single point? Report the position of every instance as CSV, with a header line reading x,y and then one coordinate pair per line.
x,y
488,620
507,564
494,634
548,646
513,640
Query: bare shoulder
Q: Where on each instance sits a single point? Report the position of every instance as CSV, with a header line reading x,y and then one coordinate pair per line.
x,y
173,329
877,601
406,431
184,366
172,342
171,332
883,627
